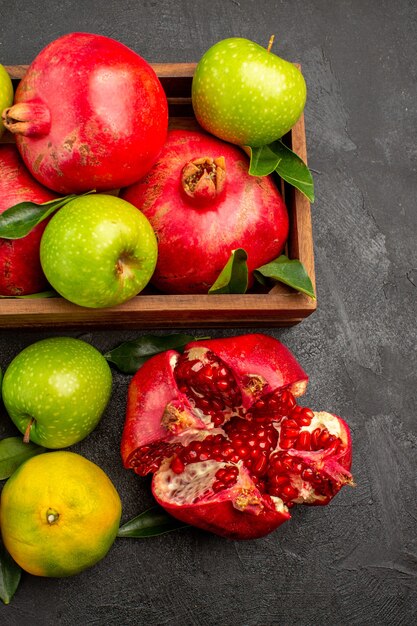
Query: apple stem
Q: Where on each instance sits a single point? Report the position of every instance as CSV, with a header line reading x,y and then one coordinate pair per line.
x,y
26,436
270,43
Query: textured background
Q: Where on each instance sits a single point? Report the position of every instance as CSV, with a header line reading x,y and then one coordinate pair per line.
x,y
353,562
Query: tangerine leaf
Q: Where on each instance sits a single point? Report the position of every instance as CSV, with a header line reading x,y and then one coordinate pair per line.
x,y
10,574
234,276
17,221
151,523
291,272
277,157
129,356
14,452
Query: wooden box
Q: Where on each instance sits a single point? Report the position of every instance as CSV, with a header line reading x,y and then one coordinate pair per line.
x,y
281,306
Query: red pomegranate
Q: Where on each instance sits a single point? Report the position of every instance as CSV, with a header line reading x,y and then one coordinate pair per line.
x,y
90,113
230,448
20,268
202,204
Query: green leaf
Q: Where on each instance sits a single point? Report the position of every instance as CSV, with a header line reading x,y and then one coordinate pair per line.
x,y
131,355
291,272
10,573
13,452
21,218
41,294
278,157
153,522
234,276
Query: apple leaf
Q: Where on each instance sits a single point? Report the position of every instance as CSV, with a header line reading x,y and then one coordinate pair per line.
x,y
234,276
10,574
14,452
17,221
291,272
131,355
151,523
277,157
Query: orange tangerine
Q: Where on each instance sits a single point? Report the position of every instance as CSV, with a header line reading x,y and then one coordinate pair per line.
x,y
59,514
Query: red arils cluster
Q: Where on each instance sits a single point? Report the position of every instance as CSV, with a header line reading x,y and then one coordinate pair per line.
x,y
209,385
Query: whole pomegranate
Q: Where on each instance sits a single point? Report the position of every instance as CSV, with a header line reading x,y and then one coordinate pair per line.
x,y
230,448
90,113
20,267
202,204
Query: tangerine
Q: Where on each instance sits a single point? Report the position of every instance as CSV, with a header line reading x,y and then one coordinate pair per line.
x,y
59,514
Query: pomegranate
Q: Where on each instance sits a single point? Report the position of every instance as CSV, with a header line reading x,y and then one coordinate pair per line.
x,y
230,448
202,204
90,113
20,267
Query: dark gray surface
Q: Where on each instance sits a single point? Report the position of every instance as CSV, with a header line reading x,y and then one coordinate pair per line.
x,y
353,562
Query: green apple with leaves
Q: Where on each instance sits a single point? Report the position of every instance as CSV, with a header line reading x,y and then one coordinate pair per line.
x,y
98,251
6,93
56,390
245,94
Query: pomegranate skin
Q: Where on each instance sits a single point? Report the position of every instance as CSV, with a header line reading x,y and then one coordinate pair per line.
x,y
20,268
273,363
220,516
196,235
90,113
151,390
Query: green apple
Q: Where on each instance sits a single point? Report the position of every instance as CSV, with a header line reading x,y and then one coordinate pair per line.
x,y
6,94
245,94
56,390
98,251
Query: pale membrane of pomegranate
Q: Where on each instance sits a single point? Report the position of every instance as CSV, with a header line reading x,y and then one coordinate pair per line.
x,y
236,451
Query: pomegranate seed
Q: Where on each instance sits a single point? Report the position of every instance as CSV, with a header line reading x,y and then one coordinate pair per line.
x,y
279,480
273,403
290,433
334,446
323,439
290,492
260,418
290,423
222,385
315,438
307,474
303,441
260,465
217,420
217,486
227,452
217,404
177,465
286,444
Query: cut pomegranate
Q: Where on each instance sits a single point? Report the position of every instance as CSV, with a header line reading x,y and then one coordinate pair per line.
x,y
231,449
